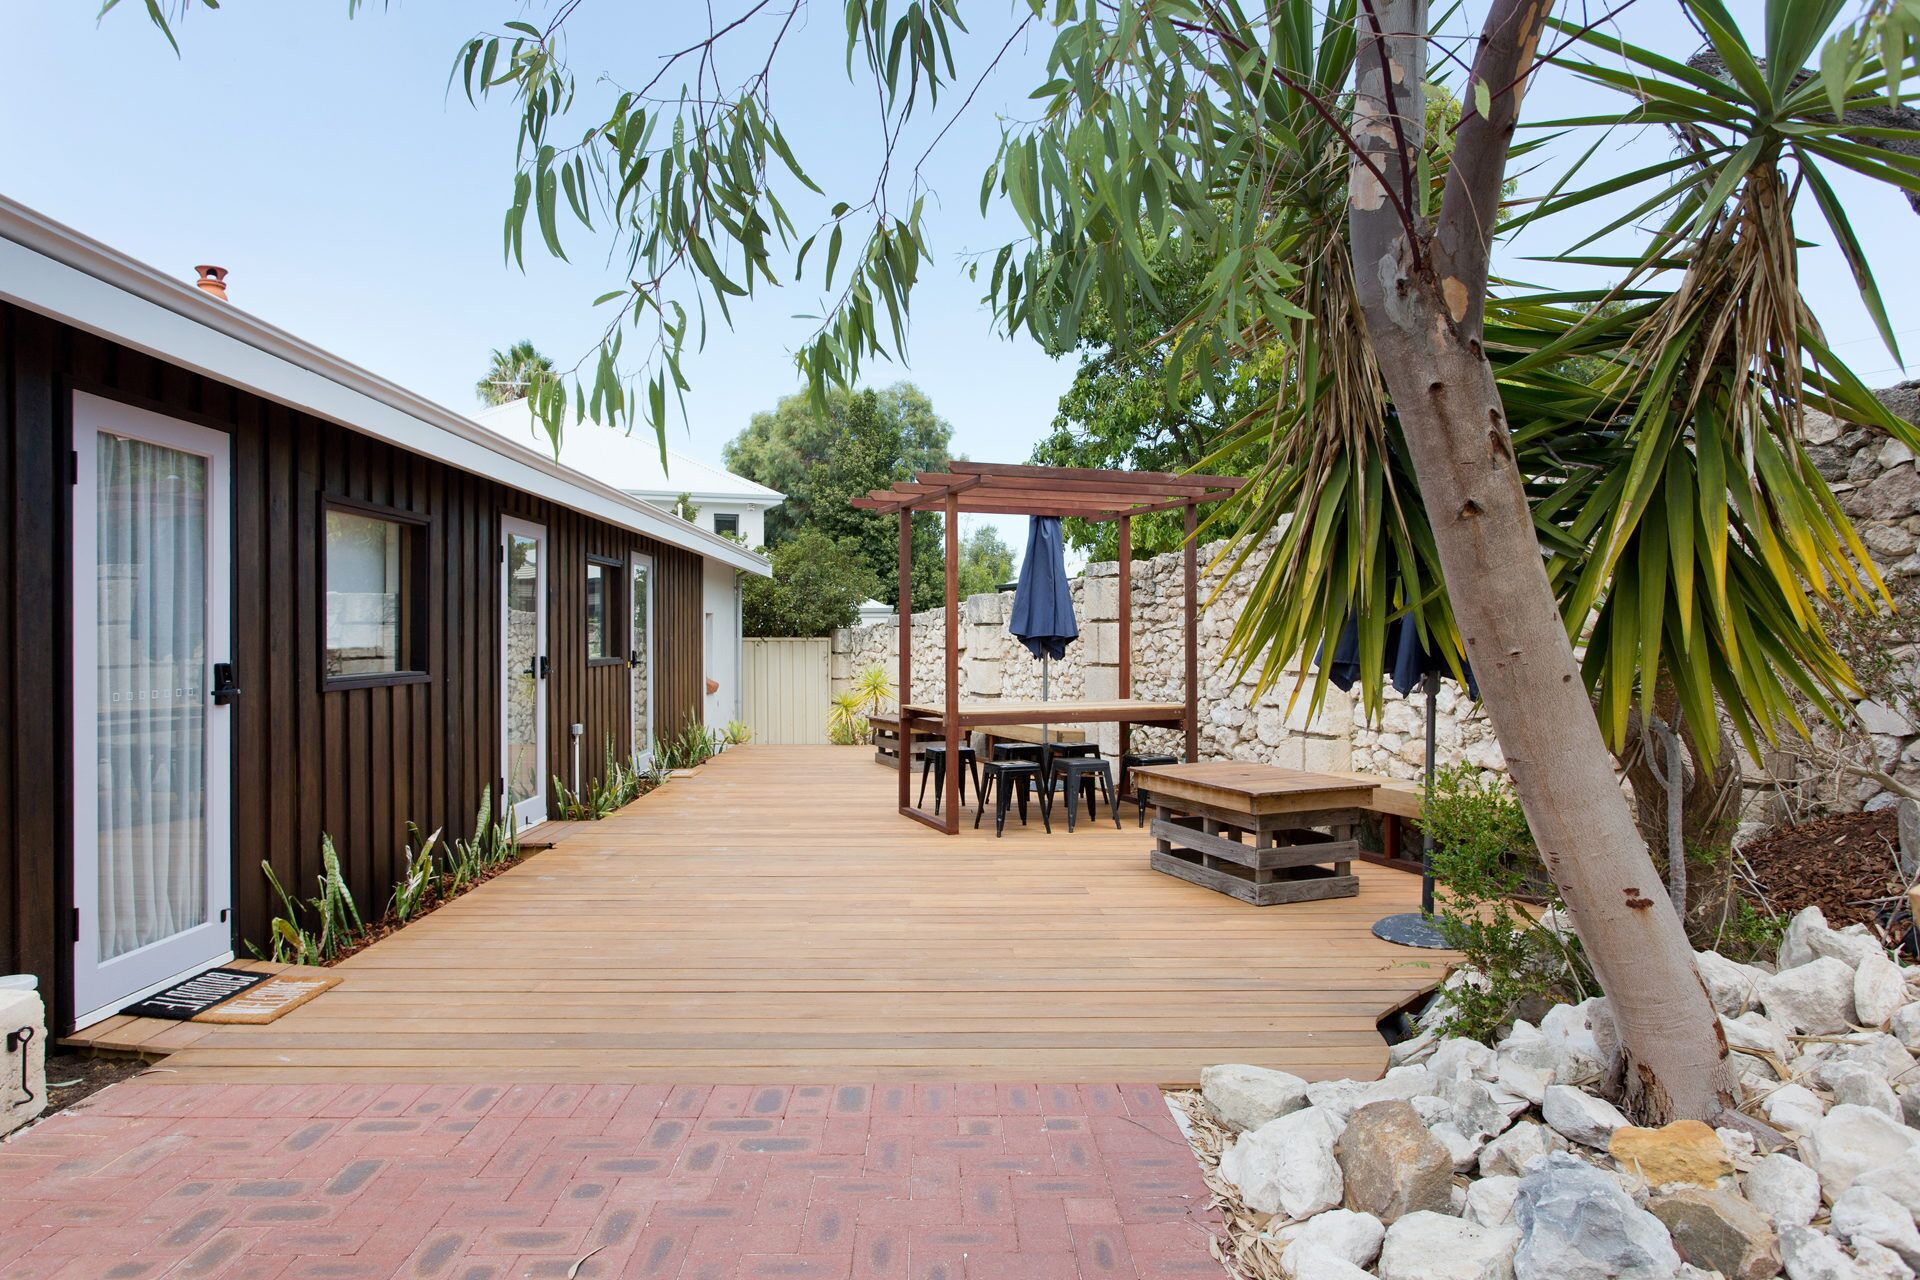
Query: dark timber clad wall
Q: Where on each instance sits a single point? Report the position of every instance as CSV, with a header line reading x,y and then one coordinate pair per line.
x,y
358,764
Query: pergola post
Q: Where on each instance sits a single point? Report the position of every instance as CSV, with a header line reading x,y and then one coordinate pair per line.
x,y
904,608
1191,600
952,721
1124,524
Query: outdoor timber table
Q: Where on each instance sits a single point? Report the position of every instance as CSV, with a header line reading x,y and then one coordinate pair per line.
x,y
886,736
1258,832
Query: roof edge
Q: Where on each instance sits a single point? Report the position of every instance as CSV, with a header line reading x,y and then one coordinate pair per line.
x,y
175,322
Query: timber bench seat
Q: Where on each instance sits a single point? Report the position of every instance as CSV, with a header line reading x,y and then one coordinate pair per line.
x,y
1260,833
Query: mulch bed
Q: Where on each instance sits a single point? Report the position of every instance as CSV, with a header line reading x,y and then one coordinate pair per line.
x,y
1839,864
72,1076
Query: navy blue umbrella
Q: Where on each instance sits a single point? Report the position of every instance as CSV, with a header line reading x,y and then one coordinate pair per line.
x,y
1043,598
1406,663
1043,602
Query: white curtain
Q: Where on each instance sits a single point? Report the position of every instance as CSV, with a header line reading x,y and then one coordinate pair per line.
x,y
152,513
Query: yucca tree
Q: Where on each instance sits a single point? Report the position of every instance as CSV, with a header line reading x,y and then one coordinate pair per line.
x,y
1444,438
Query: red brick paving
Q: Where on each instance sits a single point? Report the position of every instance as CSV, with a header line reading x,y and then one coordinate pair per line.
x,y
364,1182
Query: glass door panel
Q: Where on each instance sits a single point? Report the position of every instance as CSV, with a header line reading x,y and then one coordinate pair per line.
x,y
152,880
640,661
523,639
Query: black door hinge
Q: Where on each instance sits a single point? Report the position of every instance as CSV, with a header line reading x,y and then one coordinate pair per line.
x,y
76,924
73,467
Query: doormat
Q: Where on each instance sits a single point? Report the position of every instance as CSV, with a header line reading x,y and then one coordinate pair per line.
x,y
197,994
269,1000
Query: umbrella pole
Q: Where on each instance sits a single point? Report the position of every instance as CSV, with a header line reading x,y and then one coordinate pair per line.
x,y
1416,928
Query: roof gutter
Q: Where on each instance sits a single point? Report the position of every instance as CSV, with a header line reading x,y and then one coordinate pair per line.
x,y
53,270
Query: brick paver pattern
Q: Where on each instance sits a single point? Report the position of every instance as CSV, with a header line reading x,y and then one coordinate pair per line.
x,y
934,1182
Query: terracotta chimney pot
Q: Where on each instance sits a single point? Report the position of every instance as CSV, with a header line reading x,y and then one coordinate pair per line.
x,y
213,281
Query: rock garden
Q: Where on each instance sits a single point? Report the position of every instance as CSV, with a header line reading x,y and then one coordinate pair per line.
x,y
1478,1161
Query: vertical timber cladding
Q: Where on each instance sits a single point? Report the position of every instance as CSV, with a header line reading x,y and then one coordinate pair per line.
x,y
358,764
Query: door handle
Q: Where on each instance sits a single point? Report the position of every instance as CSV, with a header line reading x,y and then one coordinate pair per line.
x,y
224,689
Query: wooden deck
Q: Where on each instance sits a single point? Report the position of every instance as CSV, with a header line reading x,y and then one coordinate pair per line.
x,y
772,918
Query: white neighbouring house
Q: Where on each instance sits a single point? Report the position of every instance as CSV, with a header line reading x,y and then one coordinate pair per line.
x,y
725,503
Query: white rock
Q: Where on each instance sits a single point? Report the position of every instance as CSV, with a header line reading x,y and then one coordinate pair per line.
x,y
1814,1255
1490,1200
1879,990
1730,985
1417,1049
1815,998
1794,948
1853,1083
1576,1223
1756,1034
1581,1117
1351,1236
1478,1110
1519,1080
1287,1165
1247,1097
1880,1262
1784,1189
1459,1056
1794,1108
1464,1148
1898,1181
1337,1097
1432,1108
1309,1261
1851,1140
1875,1050
1906,1026
1740,1144
1434,1246
1861,1213
1511,1151
1851,945
1579,1053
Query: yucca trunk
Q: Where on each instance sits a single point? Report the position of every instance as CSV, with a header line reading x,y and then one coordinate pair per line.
x,y
1423,291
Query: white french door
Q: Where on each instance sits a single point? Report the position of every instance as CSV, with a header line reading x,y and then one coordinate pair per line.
x,y
524,669
640,659
152,734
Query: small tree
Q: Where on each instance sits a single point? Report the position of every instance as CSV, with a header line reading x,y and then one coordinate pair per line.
x,y
817,585
985,561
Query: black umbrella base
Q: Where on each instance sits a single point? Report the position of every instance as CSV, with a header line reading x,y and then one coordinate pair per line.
x,y
1409,929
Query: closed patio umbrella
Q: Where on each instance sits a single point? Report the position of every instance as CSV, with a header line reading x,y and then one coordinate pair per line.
x,y
1407,663
1043,599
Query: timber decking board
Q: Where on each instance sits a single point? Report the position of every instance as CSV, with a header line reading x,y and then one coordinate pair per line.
x,y
770,917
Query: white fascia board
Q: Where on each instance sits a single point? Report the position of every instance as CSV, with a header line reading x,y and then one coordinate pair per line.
x,y
58,273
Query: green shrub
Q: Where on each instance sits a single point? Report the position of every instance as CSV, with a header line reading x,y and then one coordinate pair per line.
x,y
618,786
337,925
1485,867
416,883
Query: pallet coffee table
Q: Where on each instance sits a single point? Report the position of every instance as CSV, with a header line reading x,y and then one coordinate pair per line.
x,y
1258,832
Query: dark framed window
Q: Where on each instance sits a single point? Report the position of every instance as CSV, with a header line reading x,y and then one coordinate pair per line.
x,y
373,592
726,522
603,619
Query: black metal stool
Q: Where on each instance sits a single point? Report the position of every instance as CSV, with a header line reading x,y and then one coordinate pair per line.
x,y
933,760
1013,777
1053,751
1071,773
1128,763
1028,751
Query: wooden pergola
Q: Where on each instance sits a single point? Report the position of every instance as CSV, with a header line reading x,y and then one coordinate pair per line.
x,y
984,488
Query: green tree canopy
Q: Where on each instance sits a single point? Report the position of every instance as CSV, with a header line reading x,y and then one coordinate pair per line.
x,y
818,583
513,374
822,461
985,561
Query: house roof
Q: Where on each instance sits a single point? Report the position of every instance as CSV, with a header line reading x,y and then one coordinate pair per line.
x,y
629,460
58,272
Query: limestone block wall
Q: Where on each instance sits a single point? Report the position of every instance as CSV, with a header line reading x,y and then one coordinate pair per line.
x,y
1236,721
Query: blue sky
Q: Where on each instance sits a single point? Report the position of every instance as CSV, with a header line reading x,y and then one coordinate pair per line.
x,y
358,203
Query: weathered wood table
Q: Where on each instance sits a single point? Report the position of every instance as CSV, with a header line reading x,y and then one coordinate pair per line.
x,y
1258,832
